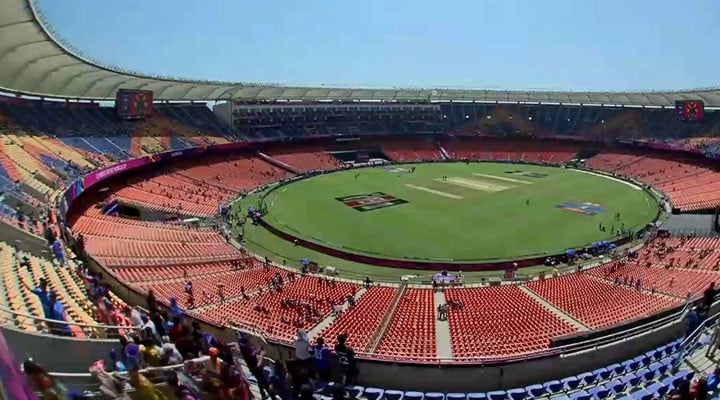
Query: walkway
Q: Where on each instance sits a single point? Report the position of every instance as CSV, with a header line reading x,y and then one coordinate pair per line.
x,y
442,331
317,329
565,317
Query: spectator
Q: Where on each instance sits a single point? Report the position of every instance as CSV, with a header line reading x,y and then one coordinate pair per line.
x,y
59,328
714,342
322,359
111,387
709,295
42,293
46,384
118,364
169,353
180,390
144,389
346,359
302,348
253,360
135,316
213,367
151,301
278,382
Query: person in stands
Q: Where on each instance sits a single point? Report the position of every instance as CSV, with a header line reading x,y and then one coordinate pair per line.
x,y
321,354
714,342
253,360
42,293
58,314
49,387
346,359
302,350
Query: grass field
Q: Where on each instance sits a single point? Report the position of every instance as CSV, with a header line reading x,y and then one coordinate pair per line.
x,y
446,211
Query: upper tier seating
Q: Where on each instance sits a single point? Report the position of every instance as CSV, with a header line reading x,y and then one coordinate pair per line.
x,y
18,280
306,159
690,187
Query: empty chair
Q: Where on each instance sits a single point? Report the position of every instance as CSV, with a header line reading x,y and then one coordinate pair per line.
x,y
587,378
434,396
631,379
374,393
413,396
553,387
580,396
393,395
599,392
616,369
497,395
535,390
602,373
475,396
570,383
617,386
517,394
458,396
647,374
639,395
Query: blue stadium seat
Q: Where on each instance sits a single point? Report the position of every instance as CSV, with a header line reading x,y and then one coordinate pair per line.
x,y
616,385
497,395
354,391
587,378
602,373
647,374
517,394
631,379
639,395
599,392
373,393
476,396
581,395
571,383
413,396
393,395
434,396
553,387
460,396
616,369
630,365
535,390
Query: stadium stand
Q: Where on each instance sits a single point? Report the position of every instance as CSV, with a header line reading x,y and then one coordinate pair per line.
x,y
164,257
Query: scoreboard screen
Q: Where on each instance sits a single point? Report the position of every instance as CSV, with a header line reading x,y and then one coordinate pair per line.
x,y
690,110
133,104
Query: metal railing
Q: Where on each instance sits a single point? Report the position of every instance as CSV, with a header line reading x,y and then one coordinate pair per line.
x,y
34,324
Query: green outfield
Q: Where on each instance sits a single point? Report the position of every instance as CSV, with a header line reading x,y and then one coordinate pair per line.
x,y
451,211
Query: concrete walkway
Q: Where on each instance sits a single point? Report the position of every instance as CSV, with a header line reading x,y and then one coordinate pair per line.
x,y
443,347
565,317
317,329
698,362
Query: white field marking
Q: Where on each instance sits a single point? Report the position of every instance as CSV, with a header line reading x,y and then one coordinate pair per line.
x,y
609,177
476,185
433,191
502,178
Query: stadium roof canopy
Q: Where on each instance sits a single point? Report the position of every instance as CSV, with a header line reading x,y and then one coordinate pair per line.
x,y
33,61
